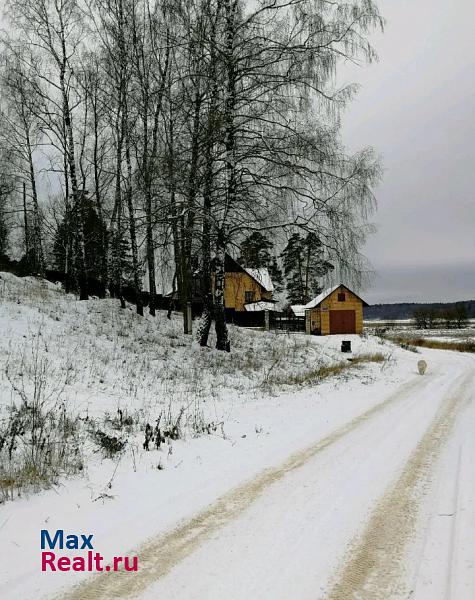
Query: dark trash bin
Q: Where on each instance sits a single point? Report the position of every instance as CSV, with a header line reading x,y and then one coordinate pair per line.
x,y
346,346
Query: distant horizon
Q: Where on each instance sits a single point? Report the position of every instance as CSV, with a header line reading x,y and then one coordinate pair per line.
x,y
423,303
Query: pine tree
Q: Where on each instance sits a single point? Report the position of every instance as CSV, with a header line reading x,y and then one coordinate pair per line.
x,y
292,258
121,272
304,266
316,267
65,253
257,253
276,275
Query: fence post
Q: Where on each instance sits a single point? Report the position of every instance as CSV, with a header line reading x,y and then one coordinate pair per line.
x,y
267,320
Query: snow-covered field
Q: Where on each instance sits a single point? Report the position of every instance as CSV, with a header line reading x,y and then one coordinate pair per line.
x,y
405,327
283,484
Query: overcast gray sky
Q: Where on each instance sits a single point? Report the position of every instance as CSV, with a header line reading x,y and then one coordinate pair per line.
x,y
416,107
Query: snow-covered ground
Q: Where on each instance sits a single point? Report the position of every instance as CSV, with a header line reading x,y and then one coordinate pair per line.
x,y
357,486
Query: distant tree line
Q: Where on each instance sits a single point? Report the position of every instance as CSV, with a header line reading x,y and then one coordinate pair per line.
x,y
146,136
425,313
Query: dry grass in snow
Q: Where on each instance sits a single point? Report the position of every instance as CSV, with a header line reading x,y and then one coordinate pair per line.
x,y
421,342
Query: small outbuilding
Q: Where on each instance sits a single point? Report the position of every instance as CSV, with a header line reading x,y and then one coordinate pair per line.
x,y
337,310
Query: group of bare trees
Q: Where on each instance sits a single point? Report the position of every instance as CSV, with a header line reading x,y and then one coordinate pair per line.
x,y
184,125
452,317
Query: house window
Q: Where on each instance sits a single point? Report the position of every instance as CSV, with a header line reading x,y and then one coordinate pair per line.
x,y
341,297
248,297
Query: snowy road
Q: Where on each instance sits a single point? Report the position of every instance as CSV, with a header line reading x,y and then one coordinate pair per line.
x,y
381,508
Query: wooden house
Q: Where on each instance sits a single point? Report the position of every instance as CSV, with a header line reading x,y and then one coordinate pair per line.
x,y
337,310
247,290
248,293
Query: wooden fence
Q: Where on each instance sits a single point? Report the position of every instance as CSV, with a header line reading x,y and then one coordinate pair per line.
x,y
286,323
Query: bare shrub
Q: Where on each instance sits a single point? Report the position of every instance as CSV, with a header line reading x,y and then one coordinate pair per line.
x,y
409,347
121,421
171,426
111,433
109,444
39,440
166,427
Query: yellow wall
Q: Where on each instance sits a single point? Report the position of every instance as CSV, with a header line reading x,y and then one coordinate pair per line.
x,y
314,316
320,316
236,286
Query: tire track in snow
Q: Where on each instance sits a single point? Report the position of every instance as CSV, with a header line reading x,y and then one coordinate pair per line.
x,y
158,556
451,568
374,566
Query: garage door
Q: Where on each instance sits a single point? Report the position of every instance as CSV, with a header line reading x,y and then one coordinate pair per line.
x,y
342,321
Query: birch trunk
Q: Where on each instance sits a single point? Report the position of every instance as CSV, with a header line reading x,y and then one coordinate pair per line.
x,y
97,189
78,208
25,222
187,274
37,241
132,227
206,281
222,342
222,336
115,266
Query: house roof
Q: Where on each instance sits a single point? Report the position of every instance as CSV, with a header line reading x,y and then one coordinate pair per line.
x,y
321,297
259,306
299,310
263,278
260,276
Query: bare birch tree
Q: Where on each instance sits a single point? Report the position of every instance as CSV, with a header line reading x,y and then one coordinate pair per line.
x,y
53,30
21,133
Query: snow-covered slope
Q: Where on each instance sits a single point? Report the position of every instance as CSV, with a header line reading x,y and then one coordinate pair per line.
x,y
111,358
